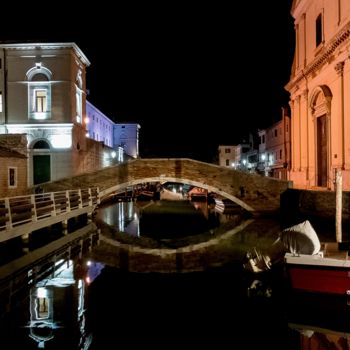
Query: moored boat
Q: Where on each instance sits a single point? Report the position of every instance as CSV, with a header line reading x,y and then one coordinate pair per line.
x,y
315,267
328,271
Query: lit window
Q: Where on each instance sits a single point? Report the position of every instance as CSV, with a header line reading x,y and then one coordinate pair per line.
x,y
40,101
39,93
42,308
12,177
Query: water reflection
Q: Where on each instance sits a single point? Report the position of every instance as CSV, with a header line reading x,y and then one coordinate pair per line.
x,y
53,314
85,305
164,219
125,216
319,321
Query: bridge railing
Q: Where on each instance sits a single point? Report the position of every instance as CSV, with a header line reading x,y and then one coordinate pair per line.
x,y
20,210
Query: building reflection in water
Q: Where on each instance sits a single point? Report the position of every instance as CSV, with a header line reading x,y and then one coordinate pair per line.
x,y
123,215
57,304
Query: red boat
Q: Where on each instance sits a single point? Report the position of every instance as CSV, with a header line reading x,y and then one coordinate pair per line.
x,y
315,267
325,272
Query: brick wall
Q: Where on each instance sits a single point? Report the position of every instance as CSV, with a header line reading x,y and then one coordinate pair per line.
x,y
21,165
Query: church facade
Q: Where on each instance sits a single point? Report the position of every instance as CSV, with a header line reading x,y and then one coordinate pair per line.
x,y
319,90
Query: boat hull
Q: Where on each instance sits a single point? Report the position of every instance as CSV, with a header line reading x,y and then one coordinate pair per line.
x,y
319,275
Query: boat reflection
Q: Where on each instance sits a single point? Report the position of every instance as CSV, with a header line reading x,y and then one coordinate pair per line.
x,y
315,338
319,321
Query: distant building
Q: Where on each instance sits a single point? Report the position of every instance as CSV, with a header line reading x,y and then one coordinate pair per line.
x,y
278,148
126,135
120,136
99,126
319,93
263,162
235,156
227,155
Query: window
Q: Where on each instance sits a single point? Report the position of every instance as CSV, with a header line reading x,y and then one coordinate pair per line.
x,y
319,30
12,177
227,162
0,102
227,150
275,132
40,101
42,305
280,154
79,109
39,93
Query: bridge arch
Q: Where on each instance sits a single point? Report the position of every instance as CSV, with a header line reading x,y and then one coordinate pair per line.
x,y
123,186
260,193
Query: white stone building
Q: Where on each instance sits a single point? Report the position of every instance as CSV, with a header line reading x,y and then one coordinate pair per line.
x,y
122,137
42,95
126,135
99,126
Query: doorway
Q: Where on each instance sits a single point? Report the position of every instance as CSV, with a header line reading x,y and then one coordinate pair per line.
x,y
42,168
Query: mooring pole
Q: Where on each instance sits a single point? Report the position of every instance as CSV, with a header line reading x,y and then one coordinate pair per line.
x,y
338,205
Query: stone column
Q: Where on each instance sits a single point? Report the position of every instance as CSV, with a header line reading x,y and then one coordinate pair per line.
x,y
291,104
305,96
339,67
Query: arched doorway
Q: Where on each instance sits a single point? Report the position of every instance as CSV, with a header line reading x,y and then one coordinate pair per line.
x,y
321,111
41,163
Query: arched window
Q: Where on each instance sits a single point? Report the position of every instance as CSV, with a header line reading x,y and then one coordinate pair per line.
x,y
78,97
39,92
41,144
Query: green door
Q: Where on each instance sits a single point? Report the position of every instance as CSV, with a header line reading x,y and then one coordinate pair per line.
x,y
42,169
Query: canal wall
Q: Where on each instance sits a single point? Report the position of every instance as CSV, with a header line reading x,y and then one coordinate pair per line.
x,y
318,207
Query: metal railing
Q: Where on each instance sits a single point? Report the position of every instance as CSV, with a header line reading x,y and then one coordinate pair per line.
x,y
39,210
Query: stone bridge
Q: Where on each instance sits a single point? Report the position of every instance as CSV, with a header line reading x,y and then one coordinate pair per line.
x,y
253,192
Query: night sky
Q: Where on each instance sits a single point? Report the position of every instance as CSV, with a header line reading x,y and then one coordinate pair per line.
x,y
183,72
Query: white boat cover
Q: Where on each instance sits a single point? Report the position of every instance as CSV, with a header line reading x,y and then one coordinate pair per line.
x,y
301,239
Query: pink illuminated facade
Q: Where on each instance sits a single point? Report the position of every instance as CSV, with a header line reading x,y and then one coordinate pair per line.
x,y
319,93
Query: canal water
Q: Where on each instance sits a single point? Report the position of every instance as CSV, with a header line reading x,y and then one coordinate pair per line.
x,y
86,305
164,219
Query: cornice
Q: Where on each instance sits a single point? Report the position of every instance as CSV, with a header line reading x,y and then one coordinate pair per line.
x,y
318,61
47,46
